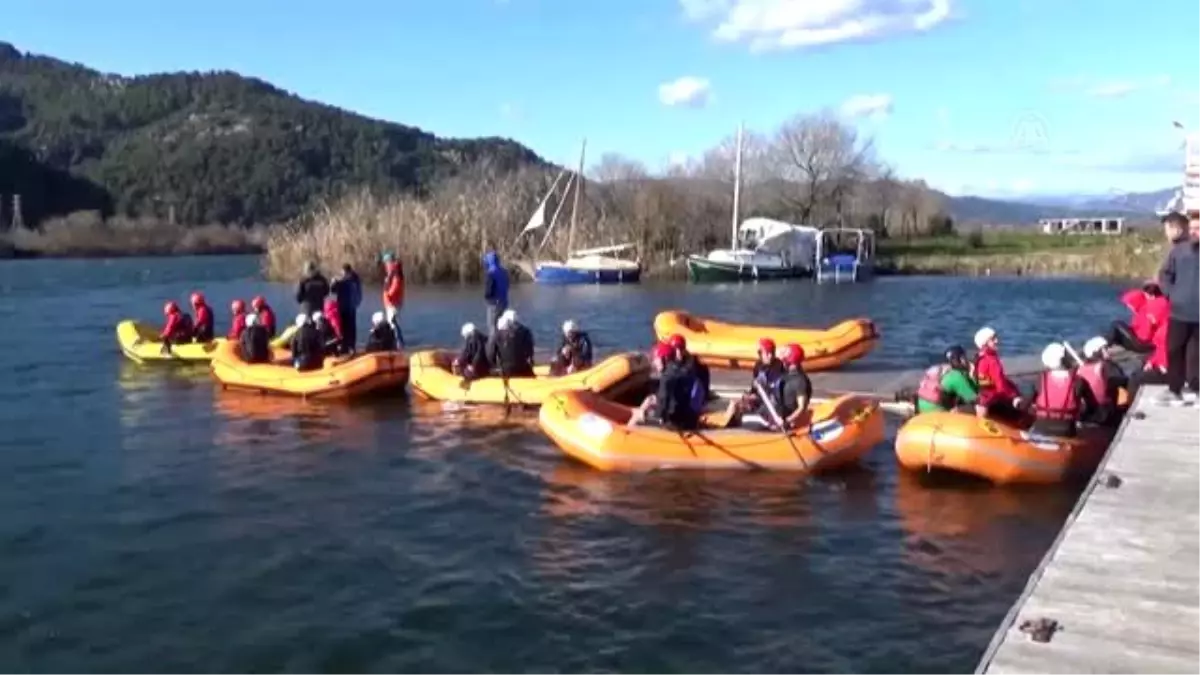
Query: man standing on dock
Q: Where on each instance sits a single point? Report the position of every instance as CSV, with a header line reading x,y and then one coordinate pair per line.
x,y
1180,281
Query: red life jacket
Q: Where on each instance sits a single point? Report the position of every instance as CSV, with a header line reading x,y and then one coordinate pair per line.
x,y
930,389
1056,398
1093,373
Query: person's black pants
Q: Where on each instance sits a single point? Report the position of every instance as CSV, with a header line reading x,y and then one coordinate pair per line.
x,y
349,330
1182,355
1142,378
1120,334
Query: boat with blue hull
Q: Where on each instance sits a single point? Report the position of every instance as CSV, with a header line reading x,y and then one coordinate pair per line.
x,y
590,266
845,255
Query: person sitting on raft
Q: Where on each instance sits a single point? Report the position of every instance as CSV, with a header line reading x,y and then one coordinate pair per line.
x,y
1149,309
768,371
948,386
795,389
1061,397
266,315
308,351
333,317
254,344
178,327
1105,379
382,337
511,348
689,362
677,402
327,334
237,309
998,395
575,352
203,331
472,361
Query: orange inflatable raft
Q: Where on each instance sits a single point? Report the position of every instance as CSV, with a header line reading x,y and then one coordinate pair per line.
x,y
1003,454
341,377
727,345
593,430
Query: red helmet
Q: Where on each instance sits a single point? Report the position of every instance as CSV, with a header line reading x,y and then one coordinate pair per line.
x,y
766,345
677,341
663,351
793,354
197,299
170,308
237,307
258,302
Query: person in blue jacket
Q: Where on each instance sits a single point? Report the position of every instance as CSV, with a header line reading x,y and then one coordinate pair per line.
x,y
495,289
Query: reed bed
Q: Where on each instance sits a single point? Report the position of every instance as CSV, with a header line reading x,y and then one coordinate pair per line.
x,y
86,234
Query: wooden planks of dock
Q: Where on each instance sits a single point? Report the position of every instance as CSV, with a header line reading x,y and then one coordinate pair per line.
x,y
1121,581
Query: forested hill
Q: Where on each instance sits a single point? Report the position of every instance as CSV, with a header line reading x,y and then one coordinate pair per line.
x,y
211,147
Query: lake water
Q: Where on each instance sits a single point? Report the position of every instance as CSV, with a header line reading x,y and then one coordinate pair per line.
x,y
151,522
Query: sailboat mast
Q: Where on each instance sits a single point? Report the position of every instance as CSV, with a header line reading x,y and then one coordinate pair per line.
x,y
737,188
575,204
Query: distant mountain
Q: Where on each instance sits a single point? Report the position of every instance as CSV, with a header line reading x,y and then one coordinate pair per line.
x,y
1027,211
1112,202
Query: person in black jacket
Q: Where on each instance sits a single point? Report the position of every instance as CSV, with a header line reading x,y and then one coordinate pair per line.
x,y
575,352
672,405
472,361
382,337
511,348
254,343
347,288
308,353
312,289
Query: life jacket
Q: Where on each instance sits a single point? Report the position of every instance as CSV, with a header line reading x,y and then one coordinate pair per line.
x,y
1056,398
930,389
1093,373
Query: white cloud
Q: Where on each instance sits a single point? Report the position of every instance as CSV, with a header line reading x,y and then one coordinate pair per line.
x,y
874,106
1111,88
1021,186
791,24
688,91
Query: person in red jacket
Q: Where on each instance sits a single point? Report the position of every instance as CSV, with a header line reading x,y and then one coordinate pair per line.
x,y
1149,309
178,327
334,320
238,309
266,315
1061,396
999,397
203,331
393,292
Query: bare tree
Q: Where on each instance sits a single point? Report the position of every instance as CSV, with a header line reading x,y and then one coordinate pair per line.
x,y
613,167
818,162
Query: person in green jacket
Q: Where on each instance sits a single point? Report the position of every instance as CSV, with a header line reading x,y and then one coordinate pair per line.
x,y
948,385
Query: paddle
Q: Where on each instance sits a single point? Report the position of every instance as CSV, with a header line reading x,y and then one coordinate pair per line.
x,y
1067,345
778,419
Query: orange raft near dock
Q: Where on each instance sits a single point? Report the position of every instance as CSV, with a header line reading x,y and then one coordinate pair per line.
x,y
1003,454
340,377
593,430
727,345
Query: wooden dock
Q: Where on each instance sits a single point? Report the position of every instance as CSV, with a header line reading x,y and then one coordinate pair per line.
x,y
1121,581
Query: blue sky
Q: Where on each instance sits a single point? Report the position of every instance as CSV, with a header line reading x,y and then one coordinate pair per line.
x,y
990,97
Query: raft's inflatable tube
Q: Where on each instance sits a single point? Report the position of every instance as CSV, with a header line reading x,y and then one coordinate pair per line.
x,y
341,377
432,379
593,430
727,345
1003,454
140,342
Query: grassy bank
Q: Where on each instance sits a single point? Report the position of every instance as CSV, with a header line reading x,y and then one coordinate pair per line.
x,y
87,235
1133,255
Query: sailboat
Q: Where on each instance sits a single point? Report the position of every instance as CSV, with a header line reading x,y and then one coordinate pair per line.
x,y
585,266
760,249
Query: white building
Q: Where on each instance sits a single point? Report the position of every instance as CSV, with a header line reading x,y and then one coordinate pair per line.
x,y
1082,225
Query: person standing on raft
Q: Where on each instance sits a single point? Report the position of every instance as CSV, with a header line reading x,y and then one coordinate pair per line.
x,y
948,386
673,404
312,289
393,293
495,289
1061,397
998,395
347,288
1105,379
574,353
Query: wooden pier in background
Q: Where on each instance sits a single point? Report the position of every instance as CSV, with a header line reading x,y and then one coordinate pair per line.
x,y
1120,584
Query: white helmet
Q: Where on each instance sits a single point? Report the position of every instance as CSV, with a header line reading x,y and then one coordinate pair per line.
x,y
985,335
467,329
251,319
1092,347
569,327
318,317
377,318
302,319
1053,355
509,316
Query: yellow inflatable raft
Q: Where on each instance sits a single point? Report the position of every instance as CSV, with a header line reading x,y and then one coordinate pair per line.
x,y
614,376
341,377
140,343
593,430
727,345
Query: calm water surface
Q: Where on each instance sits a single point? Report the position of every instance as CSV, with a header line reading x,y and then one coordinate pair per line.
x,y
151,522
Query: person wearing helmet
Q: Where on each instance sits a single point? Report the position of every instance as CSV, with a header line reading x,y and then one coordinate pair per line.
x,y
266,315
308,352
673,405
237,309
178,327
254,344
1104,379
511,347
689,362
203,331
330,342
998,395
337,332
574,353
311,289
472,360
768,372
382,337
948,385
1149,310
795,389
1061,396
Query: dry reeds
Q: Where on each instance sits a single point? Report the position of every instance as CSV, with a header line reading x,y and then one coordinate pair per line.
x,y
86,234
